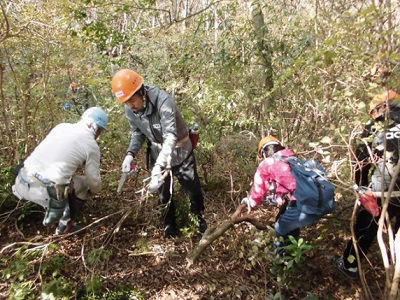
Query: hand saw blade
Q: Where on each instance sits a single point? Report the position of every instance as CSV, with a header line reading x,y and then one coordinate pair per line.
x,y
122,181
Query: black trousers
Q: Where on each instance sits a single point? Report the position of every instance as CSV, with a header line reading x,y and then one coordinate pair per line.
x,y
186,173
366,228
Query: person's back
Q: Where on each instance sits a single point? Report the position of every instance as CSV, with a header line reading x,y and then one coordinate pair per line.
x,y
47,177
64,149
275,175
385,142
273,171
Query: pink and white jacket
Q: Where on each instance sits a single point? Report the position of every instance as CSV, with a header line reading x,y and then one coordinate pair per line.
x,y
273,171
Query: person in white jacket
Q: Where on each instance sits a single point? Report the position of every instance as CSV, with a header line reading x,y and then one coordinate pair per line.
x,y
48,178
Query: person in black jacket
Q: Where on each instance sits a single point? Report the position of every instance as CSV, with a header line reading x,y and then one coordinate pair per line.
x,y
380,140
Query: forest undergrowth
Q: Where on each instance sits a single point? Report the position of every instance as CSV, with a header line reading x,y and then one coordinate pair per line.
x,y
122,253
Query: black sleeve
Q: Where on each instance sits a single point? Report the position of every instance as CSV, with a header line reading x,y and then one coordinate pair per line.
x,y
363,161
362,166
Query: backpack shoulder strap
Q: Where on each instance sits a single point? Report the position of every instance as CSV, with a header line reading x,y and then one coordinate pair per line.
x,y
289,160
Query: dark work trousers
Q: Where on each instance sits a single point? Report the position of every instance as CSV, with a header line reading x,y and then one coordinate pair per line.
x,y
365,229
75,205
186,173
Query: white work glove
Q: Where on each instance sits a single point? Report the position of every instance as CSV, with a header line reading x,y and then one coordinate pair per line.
x,y
248,202
129,164
155,181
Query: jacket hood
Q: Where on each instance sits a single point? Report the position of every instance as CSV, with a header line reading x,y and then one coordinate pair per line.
x,y
285,153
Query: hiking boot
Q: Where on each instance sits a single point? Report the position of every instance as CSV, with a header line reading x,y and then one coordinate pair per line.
x,y
202,225
63,229
351,273
170,231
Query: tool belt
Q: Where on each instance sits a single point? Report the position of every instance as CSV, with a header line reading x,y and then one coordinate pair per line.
x,y
58,195
59,192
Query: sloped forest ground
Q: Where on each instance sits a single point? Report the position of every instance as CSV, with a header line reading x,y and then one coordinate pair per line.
x,y
122,254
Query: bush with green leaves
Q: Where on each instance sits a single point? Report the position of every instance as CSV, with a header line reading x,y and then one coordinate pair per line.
x,y
294,253
123,292
53,266
58,288
98,256
289,260
22,291
21,266
7,199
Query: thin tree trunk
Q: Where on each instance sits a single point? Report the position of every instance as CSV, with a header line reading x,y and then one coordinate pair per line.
x,y
316,22
396,277
264,57
215,29
6,135
264,51
366,290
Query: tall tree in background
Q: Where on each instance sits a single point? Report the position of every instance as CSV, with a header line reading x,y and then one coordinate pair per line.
x,y
264,56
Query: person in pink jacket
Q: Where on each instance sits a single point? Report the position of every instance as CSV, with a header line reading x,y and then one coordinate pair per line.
x,y
274,176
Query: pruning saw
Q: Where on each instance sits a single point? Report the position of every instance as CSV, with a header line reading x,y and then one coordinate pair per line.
x,y
122,181
123,178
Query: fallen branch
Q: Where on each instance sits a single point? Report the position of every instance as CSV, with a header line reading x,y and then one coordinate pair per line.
x,y
216,231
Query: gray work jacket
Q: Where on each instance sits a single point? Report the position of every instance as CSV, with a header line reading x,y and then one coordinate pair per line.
x,y
162,124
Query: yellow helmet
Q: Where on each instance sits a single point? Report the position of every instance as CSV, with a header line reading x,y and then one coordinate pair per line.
x,y
268,140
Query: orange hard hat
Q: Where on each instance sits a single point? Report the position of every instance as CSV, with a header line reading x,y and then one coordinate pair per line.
x,y
268,140
377,105
125,83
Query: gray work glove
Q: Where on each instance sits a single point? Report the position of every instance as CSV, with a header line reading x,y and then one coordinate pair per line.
x,y
156,180
129,164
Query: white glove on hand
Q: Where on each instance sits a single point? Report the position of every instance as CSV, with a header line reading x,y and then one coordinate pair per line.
x,y
155,181
248,202
126,164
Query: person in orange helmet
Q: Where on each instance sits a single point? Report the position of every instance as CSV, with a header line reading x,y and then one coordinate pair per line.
x,y
153,115
80,98
382,134
274,174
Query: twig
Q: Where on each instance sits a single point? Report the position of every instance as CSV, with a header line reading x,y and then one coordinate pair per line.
x,y
58,238
131,253
17,229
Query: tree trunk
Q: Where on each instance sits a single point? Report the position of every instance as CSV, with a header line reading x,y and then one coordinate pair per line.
x,y
264,50
264,54
6,133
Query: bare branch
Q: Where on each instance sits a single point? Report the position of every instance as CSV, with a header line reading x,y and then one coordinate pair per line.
x,y
216,231
8,33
